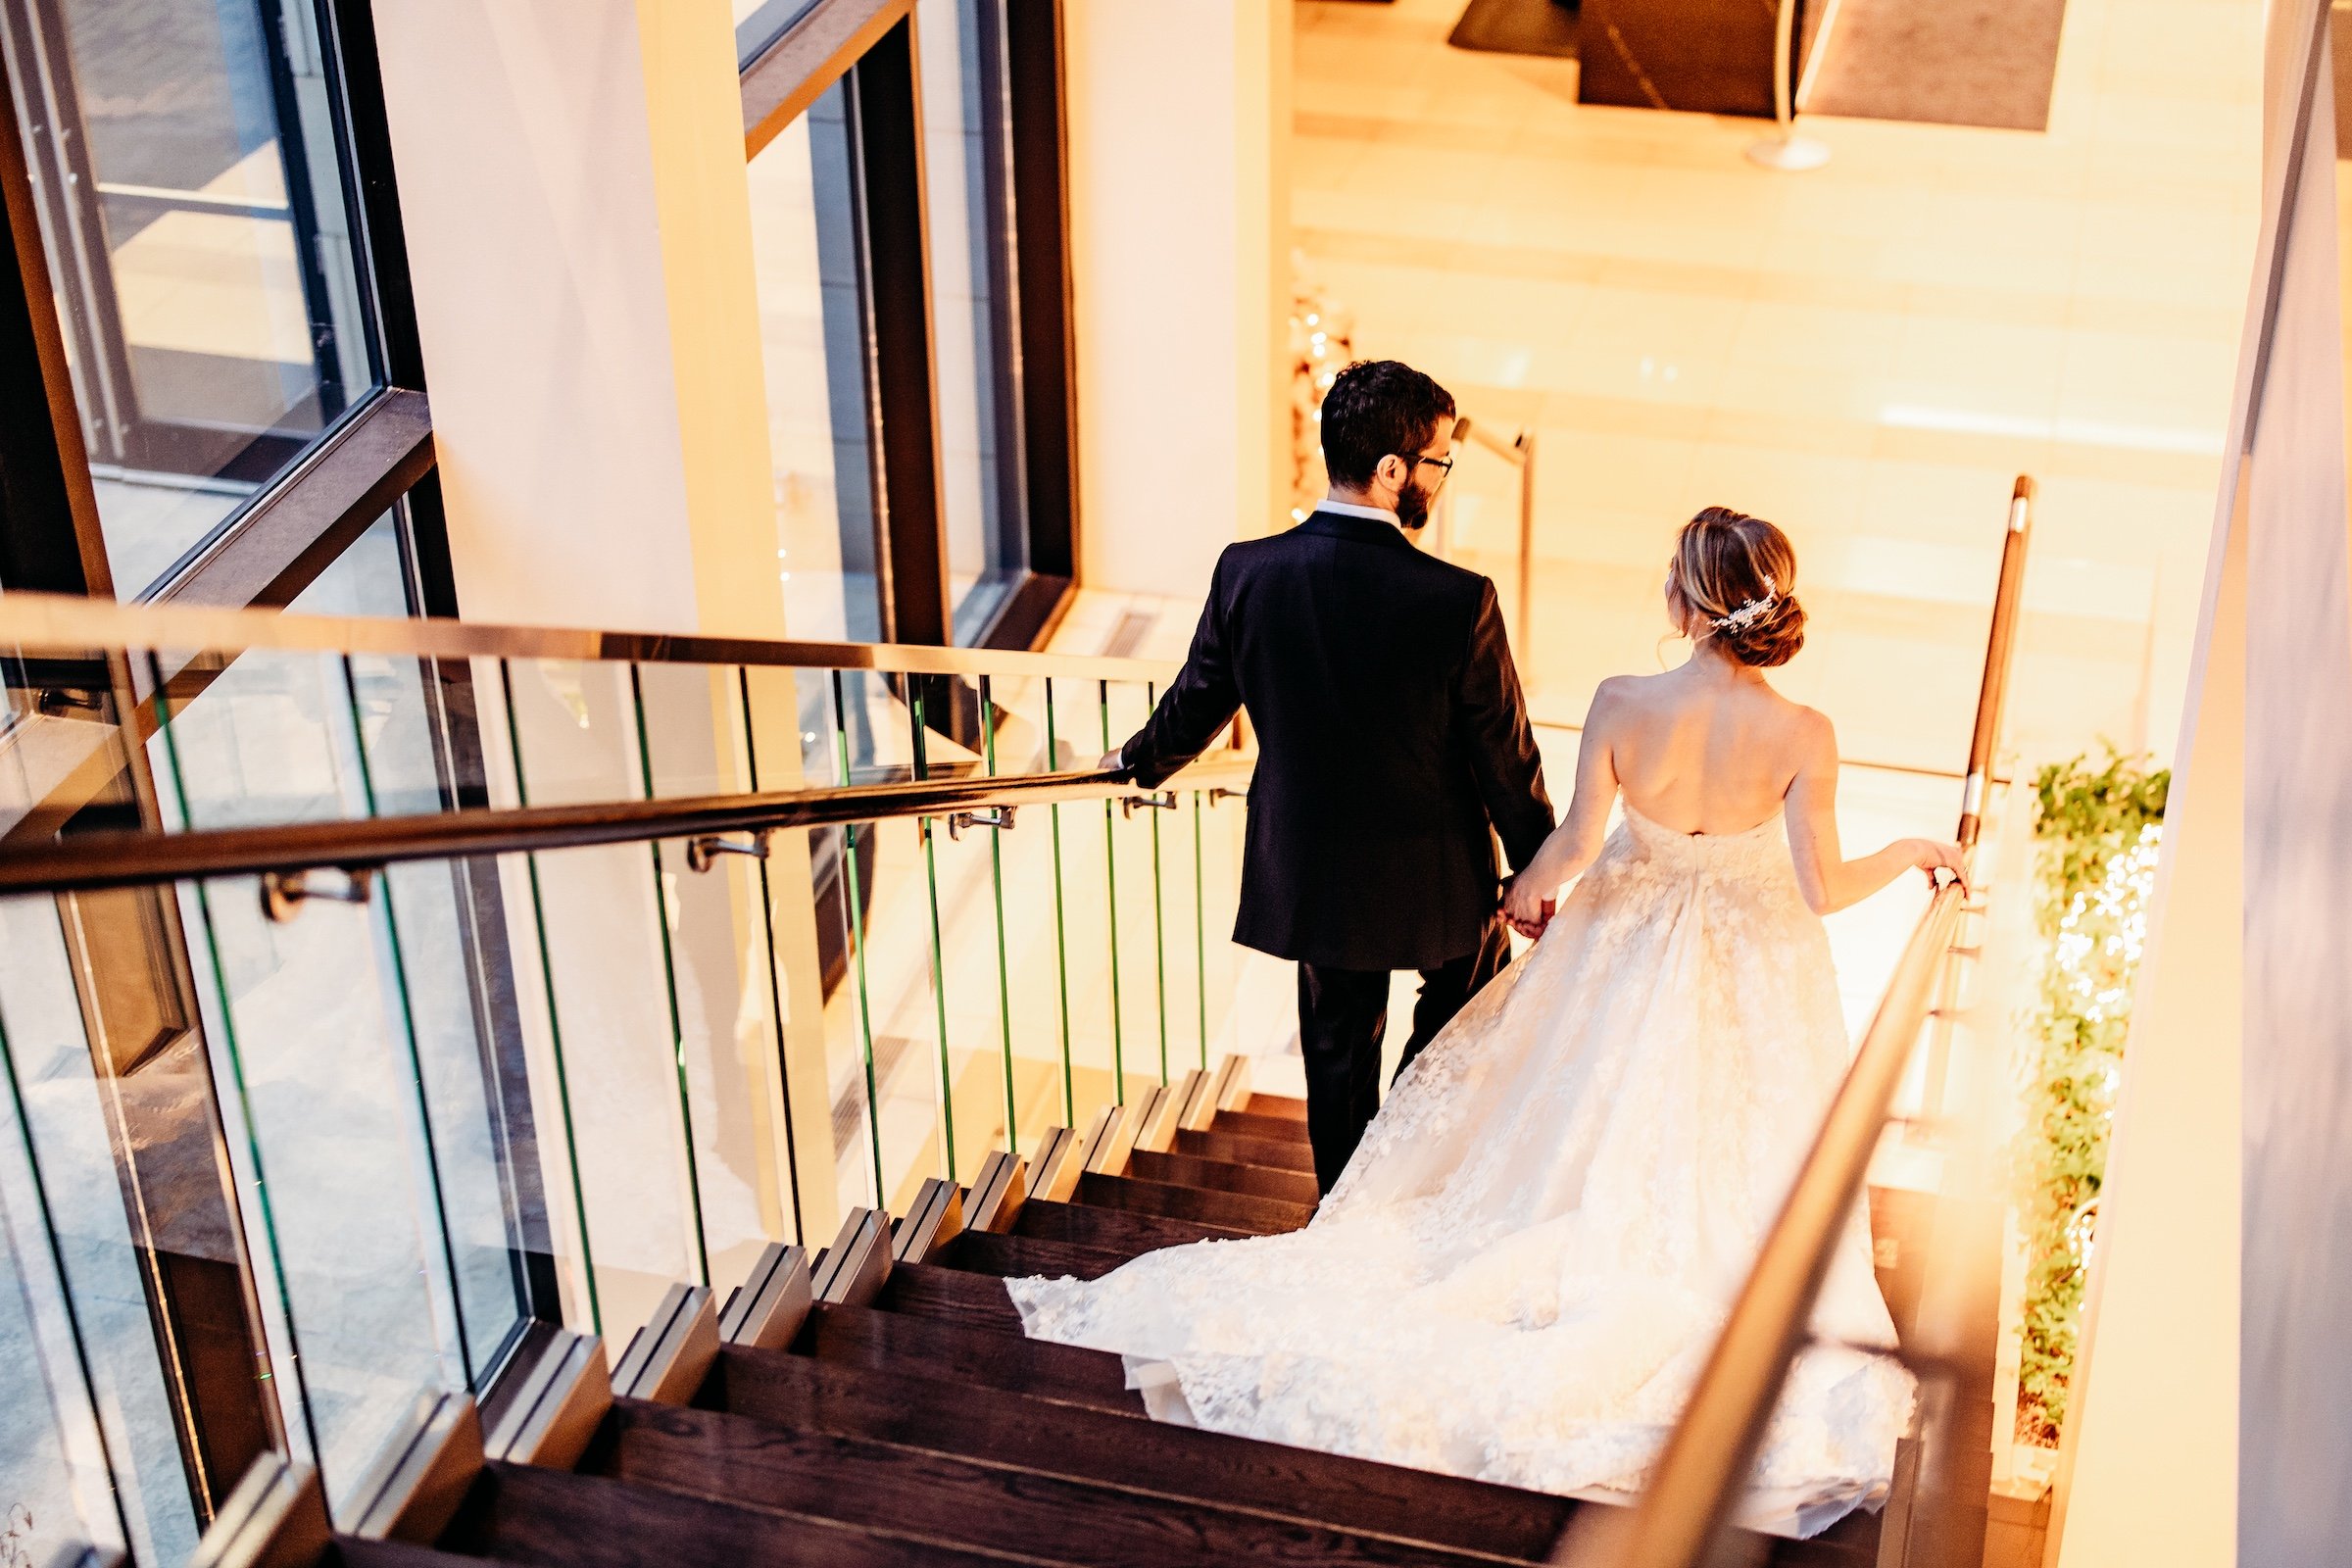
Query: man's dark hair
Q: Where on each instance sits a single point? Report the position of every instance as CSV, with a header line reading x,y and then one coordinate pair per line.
x,y
1376,407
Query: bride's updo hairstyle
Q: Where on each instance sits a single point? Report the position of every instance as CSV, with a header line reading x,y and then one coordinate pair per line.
x,y
1732,581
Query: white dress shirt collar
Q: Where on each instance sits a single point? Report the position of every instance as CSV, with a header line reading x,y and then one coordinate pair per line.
x,y
1349,509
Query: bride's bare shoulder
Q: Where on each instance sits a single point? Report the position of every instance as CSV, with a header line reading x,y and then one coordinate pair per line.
x,y
1624,693
1622,700
1809,729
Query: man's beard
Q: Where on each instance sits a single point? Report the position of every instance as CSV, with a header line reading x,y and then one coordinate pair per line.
x,y
1413,507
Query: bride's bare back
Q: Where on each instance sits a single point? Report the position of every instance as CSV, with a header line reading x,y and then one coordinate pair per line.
x,y
1700,749
1710,748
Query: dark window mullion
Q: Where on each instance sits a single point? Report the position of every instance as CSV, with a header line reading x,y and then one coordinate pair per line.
x,y
49,537
1037,235
886,112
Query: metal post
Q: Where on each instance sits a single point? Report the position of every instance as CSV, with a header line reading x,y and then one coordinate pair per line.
x,y
1524,631
1788,150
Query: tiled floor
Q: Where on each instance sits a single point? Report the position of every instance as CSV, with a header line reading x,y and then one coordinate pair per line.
x,y
1867,354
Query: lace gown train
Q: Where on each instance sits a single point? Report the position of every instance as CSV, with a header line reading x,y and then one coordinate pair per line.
x,y
1522,1270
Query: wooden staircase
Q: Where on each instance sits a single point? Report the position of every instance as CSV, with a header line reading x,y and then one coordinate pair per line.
x,y
878,1406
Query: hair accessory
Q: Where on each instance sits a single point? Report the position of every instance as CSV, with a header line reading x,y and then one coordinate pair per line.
x,y
1749,614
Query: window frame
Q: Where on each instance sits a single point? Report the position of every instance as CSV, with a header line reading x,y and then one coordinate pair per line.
x,y
871,46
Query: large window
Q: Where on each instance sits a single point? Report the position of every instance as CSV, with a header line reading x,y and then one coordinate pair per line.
x,y
915,333
811,327
189,164
986,549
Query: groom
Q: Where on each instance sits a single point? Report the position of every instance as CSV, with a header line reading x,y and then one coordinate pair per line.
x,y
1393,747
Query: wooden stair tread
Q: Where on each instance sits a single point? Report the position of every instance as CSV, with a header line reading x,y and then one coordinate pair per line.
x,y
893,1406
1223,1176
1256,1216
1012,1256
1248,1124
355,1552
1128,1232
523,1514
1279,1152
864,1337
1290,1107
958,1500
951,1296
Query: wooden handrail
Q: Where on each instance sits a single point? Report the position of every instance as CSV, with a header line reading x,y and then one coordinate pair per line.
x,y
135,859
1992,698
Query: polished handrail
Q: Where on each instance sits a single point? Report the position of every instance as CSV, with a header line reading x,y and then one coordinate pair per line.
x,y
87,861
1992,698
1519,451
68,624
1696,1483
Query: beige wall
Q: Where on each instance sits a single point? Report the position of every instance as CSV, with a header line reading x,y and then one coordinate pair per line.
x,y
1179,129
2211,1385
2149,1467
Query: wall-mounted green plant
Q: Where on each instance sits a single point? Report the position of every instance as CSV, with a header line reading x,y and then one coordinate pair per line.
x,y
2100,828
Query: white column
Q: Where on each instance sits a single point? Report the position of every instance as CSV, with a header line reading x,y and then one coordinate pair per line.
x,y
2148,1464
572,187
1178,126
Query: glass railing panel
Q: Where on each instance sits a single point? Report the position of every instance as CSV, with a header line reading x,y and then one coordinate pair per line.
x,y
1026,883
888,1017
62,745
56,1492
1222,817
963,872
420,753
1028,909
314,1051
697,727
254,739
314,1054
73,1303
810,885
609,1009
1079,839
1183,946
931,709
1137,891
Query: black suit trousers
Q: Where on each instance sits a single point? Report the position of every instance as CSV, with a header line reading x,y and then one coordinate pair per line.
x,y
1343,1019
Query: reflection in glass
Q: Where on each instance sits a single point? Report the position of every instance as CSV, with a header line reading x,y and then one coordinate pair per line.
x,y
760,23
54,1079
696,726
186,164
813,333
314,1045
371,577
604,921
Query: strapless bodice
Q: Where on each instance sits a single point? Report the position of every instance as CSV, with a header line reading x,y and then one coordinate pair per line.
x,y
1760,851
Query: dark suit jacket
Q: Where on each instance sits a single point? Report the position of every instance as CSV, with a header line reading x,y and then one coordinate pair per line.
x,y
1391,733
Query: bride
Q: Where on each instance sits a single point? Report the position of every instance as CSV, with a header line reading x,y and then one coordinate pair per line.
x,y
1523,1268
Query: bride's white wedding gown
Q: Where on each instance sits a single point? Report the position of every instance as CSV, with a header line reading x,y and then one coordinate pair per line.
x,y
1522,1270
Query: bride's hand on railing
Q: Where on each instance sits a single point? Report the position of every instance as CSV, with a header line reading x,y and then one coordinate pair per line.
x,y
1526,906
1933,855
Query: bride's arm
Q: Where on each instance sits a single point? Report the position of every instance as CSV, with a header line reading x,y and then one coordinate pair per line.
x,y
1829,881
1576,842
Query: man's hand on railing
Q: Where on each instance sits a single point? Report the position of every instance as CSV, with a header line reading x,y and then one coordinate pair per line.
x,y
1112,762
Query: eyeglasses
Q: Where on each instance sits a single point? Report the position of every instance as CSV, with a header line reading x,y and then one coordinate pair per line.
x,y
1445,465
